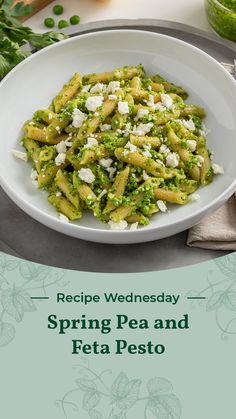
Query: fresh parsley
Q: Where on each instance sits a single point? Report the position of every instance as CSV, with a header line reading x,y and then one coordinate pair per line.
x,y
14,35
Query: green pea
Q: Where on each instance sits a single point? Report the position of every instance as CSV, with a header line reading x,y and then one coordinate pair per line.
x,y
75,20
49,22
58,9
62,24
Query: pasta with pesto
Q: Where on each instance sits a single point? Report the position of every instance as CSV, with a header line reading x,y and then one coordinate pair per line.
x,y
120,144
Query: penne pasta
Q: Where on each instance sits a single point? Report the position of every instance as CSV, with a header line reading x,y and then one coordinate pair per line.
x,y
119,144
67,92
64,207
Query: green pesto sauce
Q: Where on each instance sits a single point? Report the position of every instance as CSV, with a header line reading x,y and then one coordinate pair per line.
x,y
113,141
222,17
197,122
230,4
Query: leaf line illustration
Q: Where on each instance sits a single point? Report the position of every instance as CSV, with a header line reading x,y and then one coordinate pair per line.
x,y
221,295
15,298
117,399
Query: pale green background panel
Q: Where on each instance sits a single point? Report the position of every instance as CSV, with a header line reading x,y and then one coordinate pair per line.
x,y
37,368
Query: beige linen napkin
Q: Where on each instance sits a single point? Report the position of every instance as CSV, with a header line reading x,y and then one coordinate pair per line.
x,y
217,231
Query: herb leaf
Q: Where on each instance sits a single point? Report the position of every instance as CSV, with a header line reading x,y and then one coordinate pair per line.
x,y
40,41
21,9
14,35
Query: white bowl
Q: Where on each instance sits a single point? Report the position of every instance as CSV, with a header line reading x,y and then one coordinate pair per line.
x,y
33,83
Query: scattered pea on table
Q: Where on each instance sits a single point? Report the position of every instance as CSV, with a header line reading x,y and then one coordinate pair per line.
x,y
74,20
58,9
49,22
62,24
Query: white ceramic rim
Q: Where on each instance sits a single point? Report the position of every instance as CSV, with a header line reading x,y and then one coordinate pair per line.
x,y
124,236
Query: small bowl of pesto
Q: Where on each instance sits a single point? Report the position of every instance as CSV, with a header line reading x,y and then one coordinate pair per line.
x,y
221,15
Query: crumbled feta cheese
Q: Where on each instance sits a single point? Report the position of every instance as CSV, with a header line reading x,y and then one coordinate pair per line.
x,y
194,197
189,124
145,175
127,129
97,88
125,153
112,97
113,86
161,205
128,126
60,159
61,147
86,88
150,101
155,106
105,162
160,162
192,144
133,226
123,108
217,169
58,194
20,155
49,116
94,102
34,174
105,127
64,218
68,142
164,149
131,147
166,100
200,161
172,160
91,142
149,87
141,113
204,131
86,175
120,225
142,129
104,192
146,153
136,131
34,177
111,171
78,118
159,107
58,129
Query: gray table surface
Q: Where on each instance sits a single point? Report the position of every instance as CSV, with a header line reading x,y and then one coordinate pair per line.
x,y
24,237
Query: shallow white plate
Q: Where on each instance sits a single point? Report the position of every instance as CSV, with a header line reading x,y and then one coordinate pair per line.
x,y
33,83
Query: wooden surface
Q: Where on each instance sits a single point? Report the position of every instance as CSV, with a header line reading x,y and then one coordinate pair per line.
x,y
36,4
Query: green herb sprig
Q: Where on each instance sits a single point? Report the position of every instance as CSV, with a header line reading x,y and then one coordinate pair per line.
x,y
14,35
